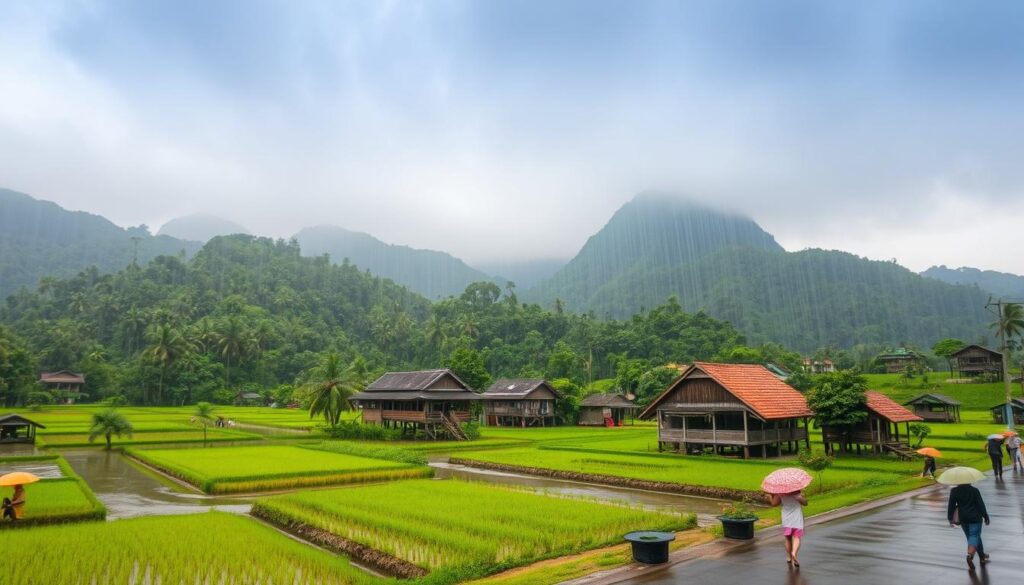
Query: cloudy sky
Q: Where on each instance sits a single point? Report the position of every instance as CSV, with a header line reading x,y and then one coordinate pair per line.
x,y
505,130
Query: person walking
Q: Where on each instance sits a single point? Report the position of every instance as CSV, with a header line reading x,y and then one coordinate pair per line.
x,y
967,508
17,502
995,453
792,523
1013,450
929,467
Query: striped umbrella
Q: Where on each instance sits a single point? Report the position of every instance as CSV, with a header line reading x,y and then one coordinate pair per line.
x,y
786,480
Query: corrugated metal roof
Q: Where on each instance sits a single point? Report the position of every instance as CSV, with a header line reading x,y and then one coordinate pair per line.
x,y
12,418
614,400
453,395
941,398
61,377
507,388
406,381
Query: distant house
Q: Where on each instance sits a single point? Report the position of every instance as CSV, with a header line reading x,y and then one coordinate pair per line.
x,y
935,407
898,360
975,361
999,412
432,401
605,410
880,431
65,386
520,403
15,428
824,366
740,407
249,399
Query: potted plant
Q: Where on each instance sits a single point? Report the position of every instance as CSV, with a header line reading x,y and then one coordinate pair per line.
x,y
738,520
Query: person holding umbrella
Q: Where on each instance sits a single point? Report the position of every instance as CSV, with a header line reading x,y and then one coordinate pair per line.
x,y
967,508
930,453
1013,449
994,447
785,488
17,479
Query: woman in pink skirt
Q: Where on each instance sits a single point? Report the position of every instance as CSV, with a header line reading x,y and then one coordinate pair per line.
x,y
792,522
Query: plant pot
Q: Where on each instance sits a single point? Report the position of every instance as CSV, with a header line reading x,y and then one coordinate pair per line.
x,y
738,528
650,547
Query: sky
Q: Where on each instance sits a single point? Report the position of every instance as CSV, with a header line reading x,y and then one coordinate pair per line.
x,y
508,130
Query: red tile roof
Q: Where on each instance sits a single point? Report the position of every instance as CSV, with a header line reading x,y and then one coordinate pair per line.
x,y
767,396
886,408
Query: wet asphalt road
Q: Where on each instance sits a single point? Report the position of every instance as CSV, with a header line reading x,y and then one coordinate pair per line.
x,y
909,543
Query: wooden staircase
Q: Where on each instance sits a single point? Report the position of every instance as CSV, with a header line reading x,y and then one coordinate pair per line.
x,y
901,450
453,428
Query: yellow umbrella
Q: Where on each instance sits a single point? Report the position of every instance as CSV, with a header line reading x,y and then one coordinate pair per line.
x,y
960,475
17,478
929,452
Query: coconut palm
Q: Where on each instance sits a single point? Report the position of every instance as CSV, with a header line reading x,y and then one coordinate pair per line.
x,y
436,333
202,416
1009,325
231,342
109,422
331,385
168,346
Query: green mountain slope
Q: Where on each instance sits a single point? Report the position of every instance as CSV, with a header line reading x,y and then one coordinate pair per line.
x,y
41,239
999,284
655,247
430,273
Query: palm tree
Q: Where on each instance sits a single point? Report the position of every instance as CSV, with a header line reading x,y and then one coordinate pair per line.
x,y
331,386
436,334
202,416
133,325
468,327
231,342
1009,325
109,422
168,346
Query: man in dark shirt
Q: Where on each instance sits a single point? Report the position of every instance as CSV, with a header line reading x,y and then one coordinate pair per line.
x,y
965,500
995,452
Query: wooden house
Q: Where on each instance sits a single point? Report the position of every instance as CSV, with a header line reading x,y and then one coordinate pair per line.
x,y
975,361
935,407
898,360
605,410
249,399
435,402
520,403
15,428
65,386
742,408
813,366
999,412
880,430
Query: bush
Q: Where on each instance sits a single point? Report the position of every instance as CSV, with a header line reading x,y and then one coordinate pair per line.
x,y
738,511
920,430
356,430
471,429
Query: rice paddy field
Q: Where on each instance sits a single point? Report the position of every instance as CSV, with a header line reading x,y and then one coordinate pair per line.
x,y
458,529
222,470
53,499
184,435
214,548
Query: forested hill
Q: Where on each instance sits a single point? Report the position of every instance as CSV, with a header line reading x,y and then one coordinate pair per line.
x,y
253,313
730,267
1000,284
433,274
41,239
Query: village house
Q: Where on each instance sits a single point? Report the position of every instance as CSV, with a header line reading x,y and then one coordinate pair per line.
x,y
999,412
435,402
975,361
520,403
898,360
15,428
741,408
813,366
608,410
880,431
935,407
65,386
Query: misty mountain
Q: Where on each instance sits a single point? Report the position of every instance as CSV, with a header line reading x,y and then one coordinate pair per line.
x,y
725,264
430,273
1000,284
525,273
40,238
200,227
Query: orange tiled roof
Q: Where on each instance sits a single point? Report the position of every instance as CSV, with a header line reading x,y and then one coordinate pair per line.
x,y
768,396
886,408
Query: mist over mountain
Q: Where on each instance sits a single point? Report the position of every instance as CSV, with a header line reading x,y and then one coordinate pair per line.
x,y
1000,284
200,227
524,273
431,273
42,239
725,264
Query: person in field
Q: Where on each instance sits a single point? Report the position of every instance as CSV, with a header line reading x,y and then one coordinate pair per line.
x,y
14,508
967,508
792,523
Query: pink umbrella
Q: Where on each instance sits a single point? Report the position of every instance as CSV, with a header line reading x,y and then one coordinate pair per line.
x,y
786,480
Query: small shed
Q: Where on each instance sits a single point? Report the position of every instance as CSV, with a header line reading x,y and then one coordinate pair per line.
x,y
880,431
999,412
520,403
15,428
249,399
898,360
935,407
64,385
605,410
976,361
435,402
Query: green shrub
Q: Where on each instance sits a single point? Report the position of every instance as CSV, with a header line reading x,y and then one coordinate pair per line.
x,y
356,430
471,429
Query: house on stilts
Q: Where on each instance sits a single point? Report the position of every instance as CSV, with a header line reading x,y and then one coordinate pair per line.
x,y
520,403
730,408
880,431
434,402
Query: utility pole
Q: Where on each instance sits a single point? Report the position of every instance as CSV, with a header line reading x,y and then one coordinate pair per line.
x,y
1001,331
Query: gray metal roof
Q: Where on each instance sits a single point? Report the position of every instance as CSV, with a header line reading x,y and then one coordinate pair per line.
x,y
507,388
451,395
941,398
12,419
406,381
616,400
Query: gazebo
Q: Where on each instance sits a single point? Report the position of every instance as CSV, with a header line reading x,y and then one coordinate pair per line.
x,y
999,412
935,407
15,428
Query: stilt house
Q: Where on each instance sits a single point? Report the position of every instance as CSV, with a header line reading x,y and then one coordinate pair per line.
x,y
739,408
898,360
605,410
975,361
66,386
520,403
935,407
880,431
435,402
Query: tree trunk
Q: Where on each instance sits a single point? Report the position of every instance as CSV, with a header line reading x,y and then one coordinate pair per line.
x,y
108,440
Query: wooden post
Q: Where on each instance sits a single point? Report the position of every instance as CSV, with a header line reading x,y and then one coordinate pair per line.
x,y
714,431
746,437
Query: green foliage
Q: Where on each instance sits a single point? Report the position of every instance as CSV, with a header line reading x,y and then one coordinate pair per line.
x,y
356,430
202,416
471,429
17,371
738,510
328,388
816,462
468,365
838,398
384,452
920,431
109,422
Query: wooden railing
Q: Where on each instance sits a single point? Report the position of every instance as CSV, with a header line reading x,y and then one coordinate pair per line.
x,y
515,411
731,437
